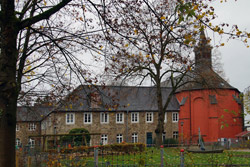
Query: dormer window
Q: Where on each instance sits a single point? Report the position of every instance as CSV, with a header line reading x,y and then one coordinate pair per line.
x,y
95,100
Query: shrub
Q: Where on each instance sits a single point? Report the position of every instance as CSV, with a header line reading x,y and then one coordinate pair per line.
x,y
170,142
79,139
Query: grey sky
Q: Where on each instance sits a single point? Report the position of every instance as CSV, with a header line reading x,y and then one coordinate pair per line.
x,y
235,55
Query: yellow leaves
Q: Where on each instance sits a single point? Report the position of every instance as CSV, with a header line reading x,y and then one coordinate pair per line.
x,y
221,32
41,27
81,18
128,104
101,47
171,28
136,32
45,3
248,35
147,56
238,32
110,109
126,45
222,44
163,17
195,7
70,106
245,40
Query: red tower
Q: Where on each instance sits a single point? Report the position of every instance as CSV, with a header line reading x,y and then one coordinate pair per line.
x,y
208,102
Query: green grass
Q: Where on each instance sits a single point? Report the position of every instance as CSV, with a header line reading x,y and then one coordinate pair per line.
x,y
172,157
151,157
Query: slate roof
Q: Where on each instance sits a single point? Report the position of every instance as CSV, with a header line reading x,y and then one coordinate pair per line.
x,y
202,79
32,114
117,98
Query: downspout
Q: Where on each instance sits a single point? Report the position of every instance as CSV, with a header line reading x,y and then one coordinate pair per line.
x,y
190,117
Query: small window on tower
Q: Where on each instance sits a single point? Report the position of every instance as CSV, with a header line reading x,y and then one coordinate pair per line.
x,y
213,99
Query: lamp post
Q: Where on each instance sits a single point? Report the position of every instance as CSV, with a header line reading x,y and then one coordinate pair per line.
x,y
182,132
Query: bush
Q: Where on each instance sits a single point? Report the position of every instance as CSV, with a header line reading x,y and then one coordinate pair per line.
x,y
170,142
79,139
123,147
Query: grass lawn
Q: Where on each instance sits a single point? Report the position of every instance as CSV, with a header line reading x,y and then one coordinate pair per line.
x,y
151,157
172,157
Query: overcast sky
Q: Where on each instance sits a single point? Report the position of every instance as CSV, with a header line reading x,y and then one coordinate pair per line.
x,y
235,55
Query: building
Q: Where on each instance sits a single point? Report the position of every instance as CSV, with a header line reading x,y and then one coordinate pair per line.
x,y
29,121
118,113
208,102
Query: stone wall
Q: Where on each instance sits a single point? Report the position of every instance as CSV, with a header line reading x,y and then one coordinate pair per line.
x,y
58,120
23,133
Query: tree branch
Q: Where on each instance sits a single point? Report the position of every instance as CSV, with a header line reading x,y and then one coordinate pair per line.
x,y
45,15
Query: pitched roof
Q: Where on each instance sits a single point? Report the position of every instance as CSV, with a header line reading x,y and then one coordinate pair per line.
x,y
33,113
205,79
117,98
243,134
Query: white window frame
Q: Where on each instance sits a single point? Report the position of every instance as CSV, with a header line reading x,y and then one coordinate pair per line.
x,y
148,115
17,127
71,120
175,117
104,139
18,142
165,117
119,118
104,118
32,143
87,118
175,134
119,138
134,117
134,137
32,126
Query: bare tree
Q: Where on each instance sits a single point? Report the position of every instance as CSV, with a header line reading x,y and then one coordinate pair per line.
x,y
43,47
148,41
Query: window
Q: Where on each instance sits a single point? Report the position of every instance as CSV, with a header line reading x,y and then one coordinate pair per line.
x,y
119,138
70,118
163,136
104,117
104,139
119,117
134,138
175,116
134,117
17,127
32,126
149,117
18,142
32,143
175,134
87,118
165,117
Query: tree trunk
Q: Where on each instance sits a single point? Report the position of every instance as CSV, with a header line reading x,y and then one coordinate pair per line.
x,y
8,85
160,125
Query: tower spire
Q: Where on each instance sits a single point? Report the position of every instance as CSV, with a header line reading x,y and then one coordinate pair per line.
x,y
203,58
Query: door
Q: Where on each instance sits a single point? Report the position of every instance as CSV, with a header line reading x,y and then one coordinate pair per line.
x,y
149,139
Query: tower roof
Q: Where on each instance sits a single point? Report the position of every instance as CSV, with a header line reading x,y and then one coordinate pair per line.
x,y
203,58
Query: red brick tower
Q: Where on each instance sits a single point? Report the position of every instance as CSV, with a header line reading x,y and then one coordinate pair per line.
x,y
208,102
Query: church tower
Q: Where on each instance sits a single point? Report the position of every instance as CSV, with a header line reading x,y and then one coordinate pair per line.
x,y
203,56
207,101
